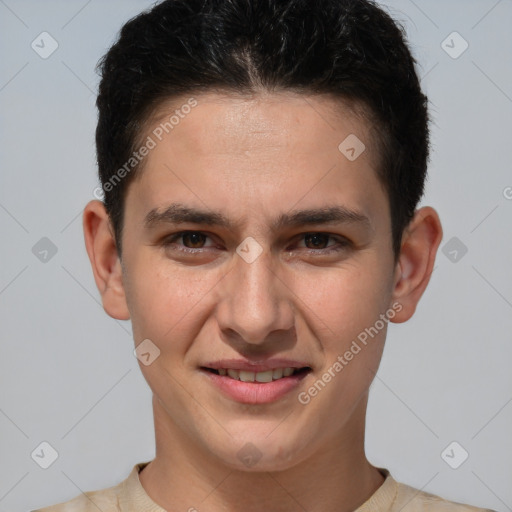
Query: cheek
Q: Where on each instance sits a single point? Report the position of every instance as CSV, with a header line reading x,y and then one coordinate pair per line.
x,y
164,298
342,302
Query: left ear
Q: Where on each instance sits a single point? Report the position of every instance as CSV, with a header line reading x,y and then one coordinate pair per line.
x,y
420,242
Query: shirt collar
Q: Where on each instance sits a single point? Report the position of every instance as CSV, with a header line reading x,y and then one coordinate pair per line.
x,y
133,496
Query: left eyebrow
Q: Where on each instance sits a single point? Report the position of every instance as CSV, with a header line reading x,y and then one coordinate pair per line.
x,y
325,215
178,213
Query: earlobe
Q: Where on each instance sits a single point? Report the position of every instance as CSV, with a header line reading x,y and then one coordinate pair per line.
x,y
419,247
106,266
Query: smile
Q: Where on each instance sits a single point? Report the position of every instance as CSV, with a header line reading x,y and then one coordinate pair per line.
x,y
265,376
251,387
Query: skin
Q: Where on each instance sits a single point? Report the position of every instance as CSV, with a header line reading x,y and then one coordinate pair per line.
x,y
253,158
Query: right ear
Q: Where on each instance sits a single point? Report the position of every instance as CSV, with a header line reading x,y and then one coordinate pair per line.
x,y
106,266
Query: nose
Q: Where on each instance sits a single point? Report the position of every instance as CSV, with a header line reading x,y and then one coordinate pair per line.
x,y
255,303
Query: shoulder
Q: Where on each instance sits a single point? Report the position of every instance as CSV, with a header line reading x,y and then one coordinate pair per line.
x,y
409,499
106,500
126,495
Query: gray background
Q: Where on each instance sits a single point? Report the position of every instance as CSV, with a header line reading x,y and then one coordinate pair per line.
x,y
67,372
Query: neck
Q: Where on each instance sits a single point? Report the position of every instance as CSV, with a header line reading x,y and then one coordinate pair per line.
x,y
183,477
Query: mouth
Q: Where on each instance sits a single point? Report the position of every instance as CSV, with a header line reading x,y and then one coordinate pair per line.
x,y
262,376
264,386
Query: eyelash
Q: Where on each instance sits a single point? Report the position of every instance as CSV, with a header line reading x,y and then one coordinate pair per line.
x,y
343,243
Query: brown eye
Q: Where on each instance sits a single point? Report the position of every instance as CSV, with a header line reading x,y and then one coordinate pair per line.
x,y
193,239
187,241
319,244
317,240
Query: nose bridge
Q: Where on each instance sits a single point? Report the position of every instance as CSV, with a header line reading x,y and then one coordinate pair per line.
x,y
254,301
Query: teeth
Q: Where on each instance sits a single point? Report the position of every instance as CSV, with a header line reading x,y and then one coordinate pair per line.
x,y
234,374
266,376
246,376
277,373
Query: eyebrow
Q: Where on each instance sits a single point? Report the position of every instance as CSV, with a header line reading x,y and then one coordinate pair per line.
x,y
178,213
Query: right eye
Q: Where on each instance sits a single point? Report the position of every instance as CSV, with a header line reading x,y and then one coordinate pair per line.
x,y
190,238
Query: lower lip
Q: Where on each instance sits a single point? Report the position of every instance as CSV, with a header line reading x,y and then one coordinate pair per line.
x,y
255,392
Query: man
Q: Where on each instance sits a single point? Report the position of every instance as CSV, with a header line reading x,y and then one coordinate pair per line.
x,y
261,162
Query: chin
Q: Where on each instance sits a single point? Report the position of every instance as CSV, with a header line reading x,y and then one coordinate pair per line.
x,y
264,453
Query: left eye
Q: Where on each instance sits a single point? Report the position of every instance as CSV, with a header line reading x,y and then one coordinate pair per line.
x,y
317,239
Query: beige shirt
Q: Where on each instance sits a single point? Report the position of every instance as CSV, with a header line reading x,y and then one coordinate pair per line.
x,y
130,496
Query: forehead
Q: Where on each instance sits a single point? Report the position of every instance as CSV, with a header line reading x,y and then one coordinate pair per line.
x,y
264,121
253,153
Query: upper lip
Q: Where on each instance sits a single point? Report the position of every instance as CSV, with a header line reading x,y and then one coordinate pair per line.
x,y
255,366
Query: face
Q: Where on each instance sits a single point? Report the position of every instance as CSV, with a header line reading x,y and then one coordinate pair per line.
x,y
252,242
